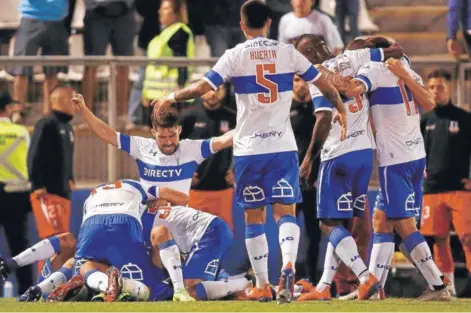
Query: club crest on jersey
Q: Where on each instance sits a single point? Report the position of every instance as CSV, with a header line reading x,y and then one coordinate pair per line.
x,y
454,127
224,126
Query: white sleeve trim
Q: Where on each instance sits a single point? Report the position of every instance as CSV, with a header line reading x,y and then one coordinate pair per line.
x,y
323,109
210,82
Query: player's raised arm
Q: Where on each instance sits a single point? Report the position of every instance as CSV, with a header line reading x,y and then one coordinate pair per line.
x,y
100,128
419,93
173,196
222,142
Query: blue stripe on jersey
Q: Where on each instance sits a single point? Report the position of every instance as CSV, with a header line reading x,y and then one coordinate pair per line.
x,y
206,148
138,186
215,78
248,84
375,55
388,96
125,142
310,74
321,102
156,173
366,80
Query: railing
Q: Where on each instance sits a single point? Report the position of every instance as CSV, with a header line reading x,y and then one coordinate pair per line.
x,y
423,65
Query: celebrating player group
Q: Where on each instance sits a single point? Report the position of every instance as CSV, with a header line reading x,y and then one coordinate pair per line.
x,y
139,241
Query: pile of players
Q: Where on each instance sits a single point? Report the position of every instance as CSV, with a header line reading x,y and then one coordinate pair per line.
x,y
138,241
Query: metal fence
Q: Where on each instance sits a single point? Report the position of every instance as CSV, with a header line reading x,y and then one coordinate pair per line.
x,y
94,162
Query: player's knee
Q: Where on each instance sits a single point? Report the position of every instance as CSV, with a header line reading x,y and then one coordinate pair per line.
x,y
405,227
159,235
255,216
380,222
466,240
326,225
67,243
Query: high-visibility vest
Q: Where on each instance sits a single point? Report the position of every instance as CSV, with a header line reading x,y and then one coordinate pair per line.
x,y
14,143
161,80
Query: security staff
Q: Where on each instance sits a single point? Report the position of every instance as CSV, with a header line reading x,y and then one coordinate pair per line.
x,y
14,186
302,121
50,165
213,182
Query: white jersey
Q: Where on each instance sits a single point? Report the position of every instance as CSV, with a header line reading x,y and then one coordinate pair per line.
x,y
156,168
359,136
395,114
262,71
187,225
123,197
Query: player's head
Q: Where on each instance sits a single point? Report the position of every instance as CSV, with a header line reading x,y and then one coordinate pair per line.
x,y
166,130
379,42
300,89
255,18
438,83
172,11
213,99
302,7
313,48
60,97
358,44
6,103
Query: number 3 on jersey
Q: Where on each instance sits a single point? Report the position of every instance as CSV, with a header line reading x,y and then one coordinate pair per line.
x,y
261,80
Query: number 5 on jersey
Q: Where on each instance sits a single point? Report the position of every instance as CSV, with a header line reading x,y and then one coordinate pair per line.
x,y
261,80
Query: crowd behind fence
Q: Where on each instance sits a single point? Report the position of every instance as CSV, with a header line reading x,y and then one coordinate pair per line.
x,y
95,162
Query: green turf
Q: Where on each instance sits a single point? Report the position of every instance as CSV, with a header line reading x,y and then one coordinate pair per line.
x,y
390,305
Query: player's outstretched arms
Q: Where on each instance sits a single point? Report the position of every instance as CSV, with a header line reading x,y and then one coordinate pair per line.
x,y
100,128
319,136
419,93
329,91
195,90
223,141
173,196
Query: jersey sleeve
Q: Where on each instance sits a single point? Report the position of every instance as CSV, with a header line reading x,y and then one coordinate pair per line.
x,y
368,74
304,68
319,101
199,149
131,144
221,71
363,56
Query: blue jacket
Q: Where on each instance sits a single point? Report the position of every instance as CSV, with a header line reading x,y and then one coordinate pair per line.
x,y
44,10
459,11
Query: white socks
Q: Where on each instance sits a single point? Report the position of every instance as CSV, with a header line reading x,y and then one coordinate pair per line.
x,y
257,249
289,239
214,290
96,280
43,250
170,256
422,256
136,289
331,264
50,283
381,255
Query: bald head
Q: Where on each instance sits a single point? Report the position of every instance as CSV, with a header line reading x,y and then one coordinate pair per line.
x,y
313,48
60,99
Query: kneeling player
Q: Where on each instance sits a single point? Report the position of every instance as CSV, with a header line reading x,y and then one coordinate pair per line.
x,y
203,238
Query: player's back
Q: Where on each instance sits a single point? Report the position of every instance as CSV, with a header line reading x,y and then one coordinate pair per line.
x,y
262,72
395,115
123,197
186,224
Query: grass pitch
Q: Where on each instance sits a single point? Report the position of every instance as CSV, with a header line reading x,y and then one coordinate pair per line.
x,y
390,305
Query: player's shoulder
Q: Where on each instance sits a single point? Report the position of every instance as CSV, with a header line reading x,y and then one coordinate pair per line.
x,y
287,17
187,145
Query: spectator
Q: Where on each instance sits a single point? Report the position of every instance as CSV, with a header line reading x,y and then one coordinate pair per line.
x,y
350,9
176,39
447,184
108,22
302,120
42,26
213,182
221,25
305,20
50,165
459,12
14,186
149,10
278,9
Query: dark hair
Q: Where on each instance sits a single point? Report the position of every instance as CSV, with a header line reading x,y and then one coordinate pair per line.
x,y
255,13
167,119
310,38
379,42
440,73
60,85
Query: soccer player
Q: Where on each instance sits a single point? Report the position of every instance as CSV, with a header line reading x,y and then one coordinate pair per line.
x,y
164,159
395,94
265,153
203,238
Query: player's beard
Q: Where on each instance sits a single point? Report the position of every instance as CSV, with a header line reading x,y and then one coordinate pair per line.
x,y
169,149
